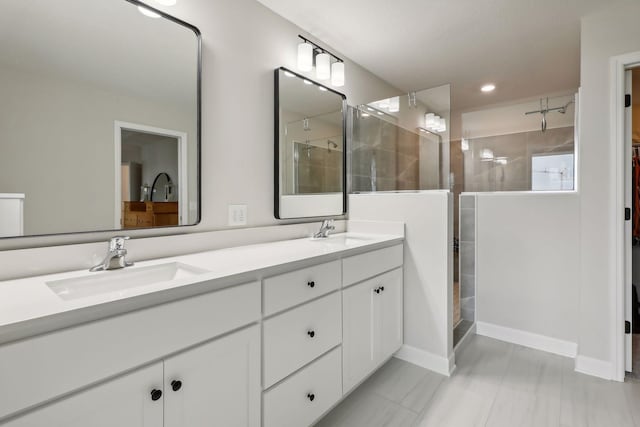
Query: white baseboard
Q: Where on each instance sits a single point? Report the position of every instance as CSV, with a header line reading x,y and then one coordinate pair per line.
x,y
595,367
528,339
427,360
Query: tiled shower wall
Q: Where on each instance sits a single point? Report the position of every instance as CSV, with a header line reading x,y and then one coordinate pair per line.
x,y
468,256
318,170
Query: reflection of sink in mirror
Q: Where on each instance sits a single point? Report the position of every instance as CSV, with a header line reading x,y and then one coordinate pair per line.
x,y
121,280
344,239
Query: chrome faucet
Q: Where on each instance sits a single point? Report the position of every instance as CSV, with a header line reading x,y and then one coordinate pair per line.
x,y
326,227
116,257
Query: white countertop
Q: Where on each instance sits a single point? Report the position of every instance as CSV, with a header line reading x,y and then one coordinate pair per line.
x,y
29,307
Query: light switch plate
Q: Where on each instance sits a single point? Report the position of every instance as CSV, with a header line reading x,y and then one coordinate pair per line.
x,y
237,215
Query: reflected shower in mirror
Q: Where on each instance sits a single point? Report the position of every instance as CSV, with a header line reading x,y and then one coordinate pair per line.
x,y
310,141
97,100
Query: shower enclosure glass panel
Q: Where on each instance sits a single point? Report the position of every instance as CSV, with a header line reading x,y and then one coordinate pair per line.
x,y
393,148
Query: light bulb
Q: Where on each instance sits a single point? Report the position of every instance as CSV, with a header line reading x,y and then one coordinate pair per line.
x,y
337,74
305,57
323,66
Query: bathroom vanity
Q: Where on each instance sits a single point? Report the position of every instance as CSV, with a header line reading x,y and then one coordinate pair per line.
x,y
269,335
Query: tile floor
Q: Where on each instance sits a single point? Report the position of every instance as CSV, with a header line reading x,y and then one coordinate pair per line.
x,y
495,384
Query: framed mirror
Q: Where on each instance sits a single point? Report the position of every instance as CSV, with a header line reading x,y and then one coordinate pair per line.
x,y
98,99
310,141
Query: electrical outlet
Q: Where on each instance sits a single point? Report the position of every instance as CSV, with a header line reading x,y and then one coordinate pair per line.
x,y
237,215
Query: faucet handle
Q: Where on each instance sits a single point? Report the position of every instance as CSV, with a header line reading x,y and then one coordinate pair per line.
x,y
117,242
328,224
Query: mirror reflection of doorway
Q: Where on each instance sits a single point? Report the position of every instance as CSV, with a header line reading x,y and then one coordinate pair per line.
x,y
151,175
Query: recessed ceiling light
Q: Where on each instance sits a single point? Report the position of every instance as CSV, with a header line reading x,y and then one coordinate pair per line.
x,y
167,2
488,87
379,113
365,114
322,88
289,74
307,82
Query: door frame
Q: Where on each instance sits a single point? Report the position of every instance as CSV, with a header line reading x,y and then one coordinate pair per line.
x,y
620,255
181,137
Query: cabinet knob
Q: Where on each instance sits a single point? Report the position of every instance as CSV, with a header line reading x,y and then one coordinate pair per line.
x,y
382,288
156,394
176,385
311,284
311,396
311,333
376,290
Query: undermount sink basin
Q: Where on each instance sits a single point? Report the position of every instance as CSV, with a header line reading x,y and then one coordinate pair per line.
x,y
120,281
344,239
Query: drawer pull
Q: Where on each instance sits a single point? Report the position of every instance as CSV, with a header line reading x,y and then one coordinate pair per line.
x,y
176,385
311,333
156,394
311,396
311,284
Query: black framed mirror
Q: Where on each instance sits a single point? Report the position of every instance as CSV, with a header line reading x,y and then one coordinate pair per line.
x,y
98,98
310,148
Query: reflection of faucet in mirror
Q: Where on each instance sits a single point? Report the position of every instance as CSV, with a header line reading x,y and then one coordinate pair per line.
x,y
326,227
116,257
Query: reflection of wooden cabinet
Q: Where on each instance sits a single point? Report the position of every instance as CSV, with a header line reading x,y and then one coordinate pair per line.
x,y
149,214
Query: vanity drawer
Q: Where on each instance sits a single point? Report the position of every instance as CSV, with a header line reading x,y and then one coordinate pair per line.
x,y
41,368
290,403
296,337
296,287
360,267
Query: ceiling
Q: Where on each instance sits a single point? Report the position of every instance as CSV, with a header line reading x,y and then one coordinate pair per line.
x,y
526,48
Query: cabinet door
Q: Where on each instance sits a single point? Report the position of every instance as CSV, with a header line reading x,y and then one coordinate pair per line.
x,y
219,383
390,314
359,355
123,402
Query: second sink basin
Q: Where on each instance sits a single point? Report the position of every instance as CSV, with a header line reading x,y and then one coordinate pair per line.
x,y
119,281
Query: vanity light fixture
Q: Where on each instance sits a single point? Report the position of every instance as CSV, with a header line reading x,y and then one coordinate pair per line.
x,y
489,87
310,53
148,12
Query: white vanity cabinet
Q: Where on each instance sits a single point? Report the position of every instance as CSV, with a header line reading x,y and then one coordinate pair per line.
x,y
123,402
216,383
372,325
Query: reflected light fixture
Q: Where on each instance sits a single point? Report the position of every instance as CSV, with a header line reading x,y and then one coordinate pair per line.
x,y
435,123
148,12
322,88
307,82
323,66
489,87
305,56
464,144
394,104
289,74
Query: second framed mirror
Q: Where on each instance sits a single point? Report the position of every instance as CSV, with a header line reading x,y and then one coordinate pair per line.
x,y
310,141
